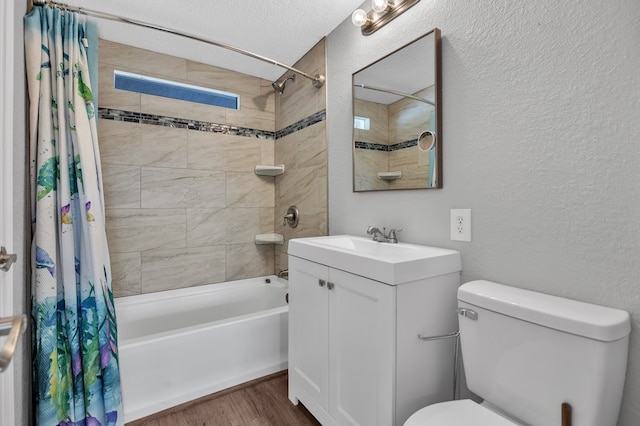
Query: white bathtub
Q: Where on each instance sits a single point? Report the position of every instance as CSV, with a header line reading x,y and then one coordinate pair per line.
x,y
179,345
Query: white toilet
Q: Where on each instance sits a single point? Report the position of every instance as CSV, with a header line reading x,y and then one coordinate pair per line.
x,y
527,353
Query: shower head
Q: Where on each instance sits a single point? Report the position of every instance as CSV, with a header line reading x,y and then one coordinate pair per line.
x,y
278,86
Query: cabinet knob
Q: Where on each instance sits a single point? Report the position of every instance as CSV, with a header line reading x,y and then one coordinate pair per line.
x,y
321,283
330,285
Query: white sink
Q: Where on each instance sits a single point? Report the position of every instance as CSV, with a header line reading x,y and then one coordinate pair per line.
x,y
389,263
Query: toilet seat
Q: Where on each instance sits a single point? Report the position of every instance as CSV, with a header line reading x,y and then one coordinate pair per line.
x,y
464,412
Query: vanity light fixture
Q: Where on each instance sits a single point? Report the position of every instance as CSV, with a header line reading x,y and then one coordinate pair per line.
x,y
381,13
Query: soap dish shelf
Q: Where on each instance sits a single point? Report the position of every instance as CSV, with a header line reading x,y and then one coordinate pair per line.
x,y
261,170
389,175
262,239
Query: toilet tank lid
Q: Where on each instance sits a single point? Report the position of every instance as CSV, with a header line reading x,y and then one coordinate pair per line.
x,y
571,316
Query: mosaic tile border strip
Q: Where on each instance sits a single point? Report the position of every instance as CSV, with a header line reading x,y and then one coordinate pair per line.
x,y
302,124
181,123
386,148
204,126
403,145
371,146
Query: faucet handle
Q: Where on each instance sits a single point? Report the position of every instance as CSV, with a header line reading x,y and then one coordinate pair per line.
x,y
393,237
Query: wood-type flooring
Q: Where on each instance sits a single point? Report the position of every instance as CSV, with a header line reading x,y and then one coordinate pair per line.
x,y
261,402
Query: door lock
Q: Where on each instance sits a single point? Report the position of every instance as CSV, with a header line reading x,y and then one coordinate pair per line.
x,y
6,260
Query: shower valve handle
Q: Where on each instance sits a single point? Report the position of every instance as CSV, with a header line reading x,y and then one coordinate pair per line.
x,y
291,218
286,218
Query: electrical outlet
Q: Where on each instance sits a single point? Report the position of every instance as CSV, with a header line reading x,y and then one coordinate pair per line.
x,y
461,224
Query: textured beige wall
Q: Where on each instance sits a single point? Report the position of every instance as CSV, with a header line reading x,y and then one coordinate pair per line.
x,y
183,206
304,154
553,187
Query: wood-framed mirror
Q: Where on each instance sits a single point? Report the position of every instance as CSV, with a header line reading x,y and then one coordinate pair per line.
x,y
397,131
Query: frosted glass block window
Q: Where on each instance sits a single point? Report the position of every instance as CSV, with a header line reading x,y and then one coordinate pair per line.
x,y
175,90
362,123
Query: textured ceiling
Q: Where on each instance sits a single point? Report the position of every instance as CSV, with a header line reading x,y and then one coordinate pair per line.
x,y
282,30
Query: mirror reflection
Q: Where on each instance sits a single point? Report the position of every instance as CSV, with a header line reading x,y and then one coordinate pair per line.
x,y
396,115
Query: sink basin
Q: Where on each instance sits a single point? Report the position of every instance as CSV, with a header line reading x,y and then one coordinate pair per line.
x,y
385,262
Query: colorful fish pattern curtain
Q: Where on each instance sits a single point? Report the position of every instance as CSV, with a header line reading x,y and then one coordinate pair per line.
x,y
75,353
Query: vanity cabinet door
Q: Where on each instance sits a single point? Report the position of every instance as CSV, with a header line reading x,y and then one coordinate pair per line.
x,y
308,336
362,350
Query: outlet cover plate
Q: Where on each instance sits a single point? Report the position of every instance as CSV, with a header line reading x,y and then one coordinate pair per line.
x,y
461,225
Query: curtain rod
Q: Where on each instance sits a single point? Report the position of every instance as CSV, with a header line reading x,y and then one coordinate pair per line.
x,y
317,80
395,92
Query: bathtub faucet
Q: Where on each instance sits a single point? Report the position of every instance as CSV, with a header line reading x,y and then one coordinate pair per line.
x,y
382,236
284,273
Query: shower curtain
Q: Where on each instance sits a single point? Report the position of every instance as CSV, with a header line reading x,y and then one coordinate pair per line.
x,y
75,354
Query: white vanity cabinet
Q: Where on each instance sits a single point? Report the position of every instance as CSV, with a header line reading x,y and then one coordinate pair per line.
x,y
354,354
345,322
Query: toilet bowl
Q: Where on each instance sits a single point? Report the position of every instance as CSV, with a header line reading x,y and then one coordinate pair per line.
x,y
528,355
464,412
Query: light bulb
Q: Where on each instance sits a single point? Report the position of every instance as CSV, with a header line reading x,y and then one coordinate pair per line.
x,y
379,5
359,17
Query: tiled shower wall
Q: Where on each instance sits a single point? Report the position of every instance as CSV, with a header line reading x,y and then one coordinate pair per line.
x,y
183,205
368,162
407,119
304,154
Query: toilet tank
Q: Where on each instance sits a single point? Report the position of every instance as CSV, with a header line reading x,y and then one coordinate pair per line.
x,y
526,353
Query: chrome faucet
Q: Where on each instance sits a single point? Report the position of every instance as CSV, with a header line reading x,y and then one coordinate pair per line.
x,y
284,273
382,236
377,235
393,236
